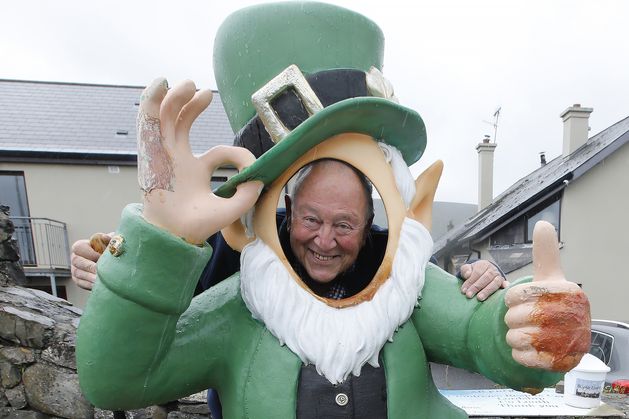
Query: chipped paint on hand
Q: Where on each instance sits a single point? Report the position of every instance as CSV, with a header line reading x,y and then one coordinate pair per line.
x,y
155,165
564,323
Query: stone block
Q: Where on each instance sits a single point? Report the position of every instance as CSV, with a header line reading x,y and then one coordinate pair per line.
x,y
55,391
6,227
159,412
200,397
9,251
7,327
24,327
48,297
11,273
139,414
16,396
129,414
9,374
181,415
18,355
201,409
60,353
21,414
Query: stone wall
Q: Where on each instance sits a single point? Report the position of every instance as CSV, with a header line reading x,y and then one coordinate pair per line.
x,y
10,270
38,376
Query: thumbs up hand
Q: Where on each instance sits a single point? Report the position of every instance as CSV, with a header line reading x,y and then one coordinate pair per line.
x,y
549,318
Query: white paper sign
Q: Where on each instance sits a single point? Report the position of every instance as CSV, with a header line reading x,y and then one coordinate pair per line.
x,y
514,403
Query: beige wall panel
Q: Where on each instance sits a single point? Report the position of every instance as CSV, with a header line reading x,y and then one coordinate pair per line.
x,y
595,236
87,198
595,232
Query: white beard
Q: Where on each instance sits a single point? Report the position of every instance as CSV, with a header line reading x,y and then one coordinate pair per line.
x,y
337,341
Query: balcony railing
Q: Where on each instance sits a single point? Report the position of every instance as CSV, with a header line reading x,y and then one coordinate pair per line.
x,y
43,242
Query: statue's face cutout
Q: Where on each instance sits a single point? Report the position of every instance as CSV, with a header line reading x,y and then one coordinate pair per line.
x,y
363,153
327,231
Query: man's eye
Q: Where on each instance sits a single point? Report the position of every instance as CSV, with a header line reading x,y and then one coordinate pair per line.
x,y
310,222
343,228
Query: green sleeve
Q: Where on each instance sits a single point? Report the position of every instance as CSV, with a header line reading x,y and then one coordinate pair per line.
x,y
135,344
470,334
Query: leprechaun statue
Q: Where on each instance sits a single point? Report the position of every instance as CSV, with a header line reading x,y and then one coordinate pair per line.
x,y
326,318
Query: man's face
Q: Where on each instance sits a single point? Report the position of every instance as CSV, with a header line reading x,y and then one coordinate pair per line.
x,y
328,220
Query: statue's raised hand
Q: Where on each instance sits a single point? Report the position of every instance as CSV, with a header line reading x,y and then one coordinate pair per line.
x,y
176,184
549,318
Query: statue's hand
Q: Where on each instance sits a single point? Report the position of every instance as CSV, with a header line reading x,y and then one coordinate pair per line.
x,y
549,318
176,184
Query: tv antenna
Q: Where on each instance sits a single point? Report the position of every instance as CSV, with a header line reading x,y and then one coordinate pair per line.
x,y
495,123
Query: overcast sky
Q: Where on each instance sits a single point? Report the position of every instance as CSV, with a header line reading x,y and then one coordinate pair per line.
x,y
454,61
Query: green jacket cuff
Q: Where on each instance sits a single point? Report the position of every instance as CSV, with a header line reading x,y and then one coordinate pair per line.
x,y
153,268
487,339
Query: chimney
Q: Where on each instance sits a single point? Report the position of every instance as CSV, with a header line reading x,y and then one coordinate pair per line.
x,y
485,172
542,158
575,127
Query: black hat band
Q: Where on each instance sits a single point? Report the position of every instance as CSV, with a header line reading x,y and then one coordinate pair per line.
x,y
330,86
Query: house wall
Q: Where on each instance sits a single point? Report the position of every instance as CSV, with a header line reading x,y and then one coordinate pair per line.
x,y
595,232
595,236
88,198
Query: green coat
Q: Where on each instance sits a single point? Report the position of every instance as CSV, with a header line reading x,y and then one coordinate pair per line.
x,y
143,339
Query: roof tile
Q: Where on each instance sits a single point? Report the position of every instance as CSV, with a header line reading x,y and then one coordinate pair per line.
x,y
84,118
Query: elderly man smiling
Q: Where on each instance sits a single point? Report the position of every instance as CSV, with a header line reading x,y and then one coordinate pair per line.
x,y
329,219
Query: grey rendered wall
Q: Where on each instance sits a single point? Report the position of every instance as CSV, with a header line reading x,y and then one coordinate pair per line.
x,y
595,232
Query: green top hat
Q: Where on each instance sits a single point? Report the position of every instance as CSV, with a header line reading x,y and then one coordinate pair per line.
x,y
310,68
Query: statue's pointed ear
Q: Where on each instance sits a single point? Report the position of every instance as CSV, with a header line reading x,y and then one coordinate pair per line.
x,y
235,236
425,187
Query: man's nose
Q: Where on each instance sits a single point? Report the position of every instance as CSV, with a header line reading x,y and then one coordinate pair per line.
x,y
325,238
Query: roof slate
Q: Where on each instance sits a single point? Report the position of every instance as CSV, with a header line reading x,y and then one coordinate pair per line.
x,y
84,118
534,185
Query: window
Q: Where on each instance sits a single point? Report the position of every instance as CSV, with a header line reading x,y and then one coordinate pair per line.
x,y
511,234
13,195
217,181
520,230
602,345
550,214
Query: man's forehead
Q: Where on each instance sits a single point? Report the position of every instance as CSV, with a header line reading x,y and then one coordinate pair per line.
x,y
322,209
332,184
331,171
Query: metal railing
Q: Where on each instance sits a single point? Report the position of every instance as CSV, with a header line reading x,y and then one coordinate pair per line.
x,y
43,242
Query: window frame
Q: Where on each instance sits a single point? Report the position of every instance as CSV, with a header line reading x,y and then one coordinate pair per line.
x,y
528,232
23,176
611,350
523,220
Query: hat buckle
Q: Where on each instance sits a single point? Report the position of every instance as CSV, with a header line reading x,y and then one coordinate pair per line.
x,y
289,78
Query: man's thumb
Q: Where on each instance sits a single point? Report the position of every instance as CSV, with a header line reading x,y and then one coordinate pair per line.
x,y
546,263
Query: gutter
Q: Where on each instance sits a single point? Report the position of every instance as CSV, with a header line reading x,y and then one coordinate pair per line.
x,y
56,157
